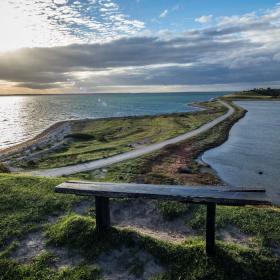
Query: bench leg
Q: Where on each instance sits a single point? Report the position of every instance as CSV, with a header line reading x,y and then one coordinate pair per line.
x,y
210,228
102,209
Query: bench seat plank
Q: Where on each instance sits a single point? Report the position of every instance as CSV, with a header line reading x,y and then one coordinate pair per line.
x,y
194,194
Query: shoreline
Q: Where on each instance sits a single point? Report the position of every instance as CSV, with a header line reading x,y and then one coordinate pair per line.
x,y
60,125
54,132
55,136
136,153
59,130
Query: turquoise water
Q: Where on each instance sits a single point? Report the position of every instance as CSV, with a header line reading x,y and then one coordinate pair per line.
x,y
251,156
22,117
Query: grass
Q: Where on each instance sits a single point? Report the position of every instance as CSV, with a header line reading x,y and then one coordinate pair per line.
x,y
25,205
239,96
27,202
4,168
186,261
40,269
255,94
261,222
96,139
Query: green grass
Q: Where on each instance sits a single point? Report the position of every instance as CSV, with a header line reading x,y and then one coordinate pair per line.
x,y
40,269
248,97
26,203
96,139
255,94
261,222
186,261
4,168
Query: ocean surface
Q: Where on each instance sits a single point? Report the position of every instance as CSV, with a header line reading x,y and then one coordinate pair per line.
x,y
22,117
251,156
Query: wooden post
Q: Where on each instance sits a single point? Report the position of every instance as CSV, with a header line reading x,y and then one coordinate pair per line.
x,y
210,228
102,209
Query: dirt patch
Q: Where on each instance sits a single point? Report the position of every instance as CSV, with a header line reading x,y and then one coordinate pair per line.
x,y
276,251
83,207
140,144
65,258
34,244
234,235
145,217
30,247
129,264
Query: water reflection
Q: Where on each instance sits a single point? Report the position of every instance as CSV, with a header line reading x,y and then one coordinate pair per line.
x,y
251,156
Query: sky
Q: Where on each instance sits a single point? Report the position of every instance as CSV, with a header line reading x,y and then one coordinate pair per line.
x,y
93,46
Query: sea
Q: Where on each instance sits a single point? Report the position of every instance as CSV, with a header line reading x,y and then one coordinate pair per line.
x,y
23,117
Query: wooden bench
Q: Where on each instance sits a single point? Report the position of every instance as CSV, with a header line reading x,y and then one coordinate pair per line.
x,y
208,195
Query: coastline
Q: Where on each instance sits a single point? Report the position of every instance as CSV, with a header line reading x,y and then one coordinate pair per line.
x,y
55,137
152,129
58,130
54,133
174,164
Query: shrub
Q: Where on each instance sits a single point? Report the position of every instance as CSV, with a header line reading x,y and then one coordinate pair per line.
x,y
4,168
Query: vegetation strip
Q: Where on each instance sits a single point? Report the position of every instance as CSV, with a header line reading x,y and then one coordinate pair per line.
x,y
67,170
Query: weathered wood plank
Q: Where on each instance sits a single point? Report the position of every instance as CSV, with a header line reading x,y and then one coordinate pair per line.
x,y
194,194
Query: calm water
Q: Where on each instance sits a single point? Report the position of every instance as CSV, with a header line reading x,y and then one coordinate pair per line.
x,y
253,147
22,117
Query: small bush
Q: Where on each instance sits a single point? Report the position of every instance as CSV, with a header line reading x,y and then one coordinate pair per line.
x,y
72,230
4,168
81,136
172,209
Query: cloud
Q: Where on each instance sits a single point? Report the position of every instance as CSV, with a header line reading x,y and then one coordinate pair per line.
x,y
60,2
204,19
64,22
163,14
235,51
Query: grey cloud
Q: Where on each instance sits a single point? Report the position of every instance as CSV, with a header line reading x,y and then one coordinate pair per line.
x,y
197,58
197,75
137,51
36,85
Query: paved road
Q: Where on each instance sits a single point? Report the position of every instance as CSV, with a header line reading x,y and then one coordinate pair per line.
x,y
96,164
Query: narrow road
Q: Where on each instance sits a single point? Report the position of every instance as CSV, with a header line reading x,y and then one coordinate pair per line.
x,y
96,164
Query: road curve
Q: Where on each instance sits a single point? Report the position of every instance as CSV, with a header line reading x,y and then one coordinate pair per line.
x,y
96,164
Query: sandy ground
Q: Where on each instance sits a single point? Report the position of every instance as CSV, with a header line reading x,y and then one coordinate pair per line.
x,y
125,263
144,217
